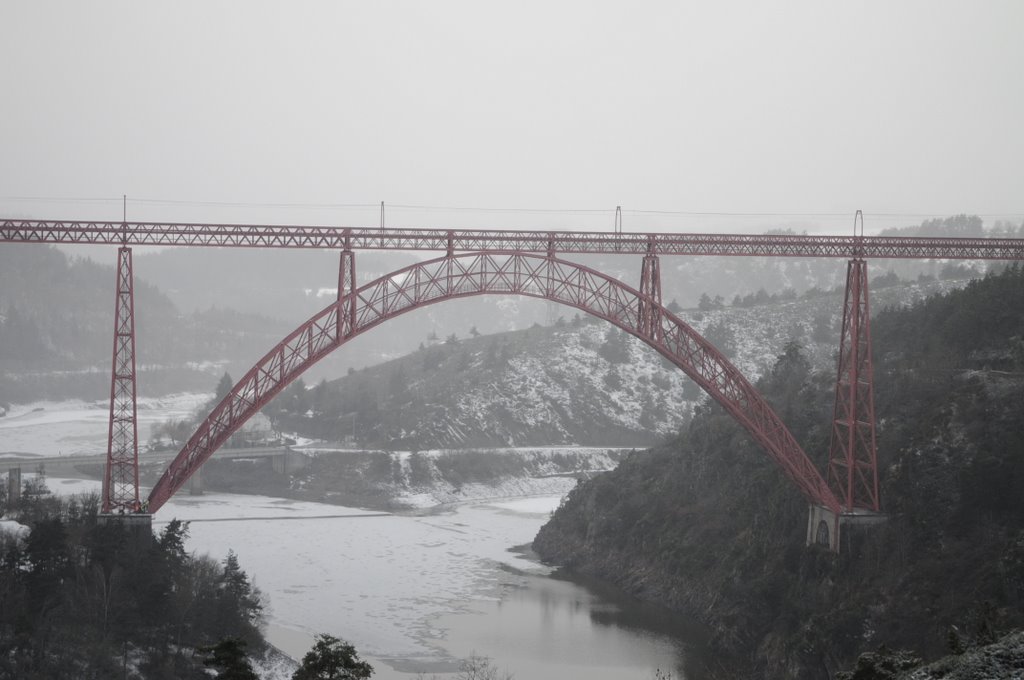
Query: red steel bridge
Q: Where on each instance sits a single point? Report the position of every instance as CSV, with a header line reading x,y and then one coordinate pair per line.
x,y
478,262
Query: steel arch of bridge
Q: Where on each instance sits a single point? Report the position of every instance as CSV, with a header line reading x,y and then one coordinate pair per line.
x,y
454,276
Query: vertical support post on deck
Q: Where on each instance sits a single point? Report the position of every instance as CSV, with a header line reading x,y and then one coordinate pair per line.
x,y
121,475
853,460
346,314
650,288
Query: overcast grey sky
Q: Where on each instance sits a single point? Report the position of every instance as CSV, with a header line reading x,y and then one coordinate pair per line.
x,y
801,108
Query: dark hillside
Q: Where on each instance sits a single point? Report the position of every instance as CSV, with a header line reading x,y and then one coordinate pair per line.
x,y
709,526
56,331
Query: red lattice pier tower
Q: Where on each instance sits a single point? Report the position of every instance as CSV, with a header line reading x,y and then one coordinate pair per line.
x,y
853,455
121,473
853,460
853,452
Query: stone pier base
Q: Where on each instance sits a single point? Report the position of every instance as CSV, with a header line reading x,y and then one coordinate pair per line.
x,y
823,528
139,526
289,461
826,528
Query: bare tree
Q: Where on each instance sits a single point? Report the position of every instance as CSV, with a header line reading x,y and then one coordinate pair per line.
x,y
478,667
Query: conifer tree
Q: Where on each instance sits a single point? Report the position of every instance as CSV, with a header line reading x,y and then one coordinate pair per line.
x,y
332,659
229,659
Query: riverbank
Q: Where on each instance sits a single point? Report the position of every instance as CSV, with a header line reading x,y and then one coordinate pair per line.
x,y
402,481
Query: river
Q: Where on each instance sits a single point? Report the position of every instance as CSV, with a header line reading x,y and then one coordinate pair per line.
x,y
417,593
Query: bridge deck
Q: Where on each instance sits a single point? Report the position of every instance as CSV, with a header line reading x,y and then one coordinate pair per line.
x,y
497,241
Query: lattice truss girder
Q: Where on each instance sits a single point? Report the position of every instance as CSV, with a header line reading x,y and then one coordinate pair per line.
x,y
121,474
451,277
496,241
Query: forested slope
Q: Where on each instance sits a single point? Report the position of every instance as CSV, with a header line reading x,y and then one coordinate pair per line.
x,y
709,526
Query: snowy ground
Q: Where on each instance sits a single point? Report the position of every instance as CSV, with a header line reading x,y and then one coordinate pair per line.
x,y
547,475
514,487
47,428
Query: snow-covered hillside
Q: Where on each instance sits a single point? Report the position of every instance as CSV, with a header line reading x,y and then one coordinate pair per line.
x,y
579,381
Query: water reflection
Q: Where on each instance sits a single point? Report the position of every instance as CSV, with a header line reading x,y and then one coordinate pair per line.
x,y
557,628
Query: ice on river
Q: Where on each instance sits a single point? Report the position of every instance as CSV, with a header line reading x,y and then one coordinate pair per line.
x,y
375,579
